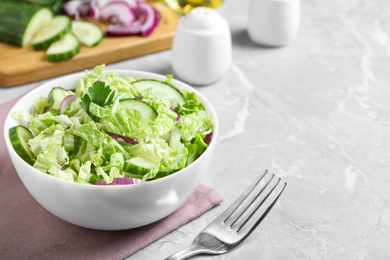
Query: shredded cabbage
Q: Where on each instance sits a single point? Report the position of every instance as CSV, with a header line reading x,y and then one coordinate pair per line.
x,y
76,145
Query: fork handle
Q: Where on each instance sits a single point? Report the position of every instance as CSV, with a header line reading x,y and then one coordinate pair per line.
x,y
188,252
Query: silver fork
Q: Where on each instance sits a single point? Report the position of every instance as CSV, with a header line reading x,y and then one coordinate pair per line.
x,y
237,222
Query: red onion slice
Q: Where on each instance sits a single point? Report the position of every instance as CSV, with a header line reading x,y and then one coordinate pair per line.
x,y
152,18
77,8
177,113
147,18
118,13
131,3
120,181
95,9
98,5
124,30
67,100
122,138
207,139
103,3
127,17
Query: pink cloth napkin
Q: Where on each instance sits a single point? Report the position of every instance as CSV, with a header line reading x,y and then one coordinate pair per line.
x,y
28,231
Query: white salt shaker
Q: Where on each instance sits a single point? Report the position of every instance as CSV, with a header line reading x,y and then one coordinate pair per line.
x,y
202,47
274,22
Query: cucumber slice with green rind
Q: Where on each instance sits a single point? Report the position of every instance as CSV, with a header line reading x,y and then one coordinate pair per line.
x,y
134,169
56,95
19,136
139,167
144,108
162,89
53,31
89,34
20,21
63,49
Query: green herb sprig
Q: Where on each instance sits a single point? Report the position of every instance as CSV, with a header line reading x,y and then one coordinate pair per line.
x,y
100,94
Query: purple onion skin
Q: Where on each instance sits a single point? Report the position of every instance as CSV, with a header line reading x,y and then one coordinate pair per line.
x,y
65,102
123,138
120,181
178,115
137,27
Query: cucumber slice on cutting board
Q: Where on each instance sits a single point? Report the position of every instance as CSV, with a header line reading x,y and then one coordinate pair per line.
x,y
19,136
56,95
53,31
63,49
19,21
144,108
89,34
162,89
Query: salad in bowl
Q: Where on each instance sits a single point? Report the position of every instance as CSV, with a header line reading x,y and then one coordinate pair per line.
x,y
112,128
111,150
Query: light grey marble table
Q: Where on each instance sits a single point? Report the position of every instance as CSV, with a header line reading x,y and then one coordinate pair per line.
x,y
315,112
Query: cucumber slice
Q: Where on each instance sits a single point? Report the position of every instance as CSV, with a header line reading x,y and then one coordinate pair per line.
x,y
162,89
20,21
53,31
19,136
144,108
56,95
137,166
89,34
63,49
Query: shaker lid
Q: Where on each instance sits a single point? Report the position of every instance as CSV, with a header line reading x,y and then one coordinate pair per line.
x,y
202,18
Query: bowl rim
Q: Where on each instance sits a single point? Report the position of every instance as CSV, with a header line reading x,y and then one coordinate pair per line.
x,y
10,122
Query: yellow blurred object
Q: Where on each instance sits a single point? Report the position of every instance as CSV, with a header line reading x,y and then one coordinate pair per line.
x,y
182,7
195,2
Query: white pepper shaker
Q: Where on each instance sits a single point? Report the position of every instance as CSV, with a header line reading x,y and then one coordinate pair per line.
x,y
274,22
202,47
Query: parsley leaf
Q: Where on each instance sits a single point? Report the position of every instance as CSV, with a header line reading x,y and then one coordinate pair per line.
x,y
100,94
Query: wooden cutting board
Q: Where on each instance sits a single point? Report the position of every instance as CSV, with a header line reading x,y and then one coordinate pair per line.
x,y
24,65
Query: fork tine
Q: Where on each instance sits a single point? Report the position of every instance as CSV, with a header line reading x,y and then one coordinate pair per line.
x,y
247,211
236,217
227,214
261,208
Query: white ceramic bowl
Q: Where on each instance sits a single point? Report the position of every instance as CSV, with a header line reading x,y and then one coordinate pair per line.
x,y
114,207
